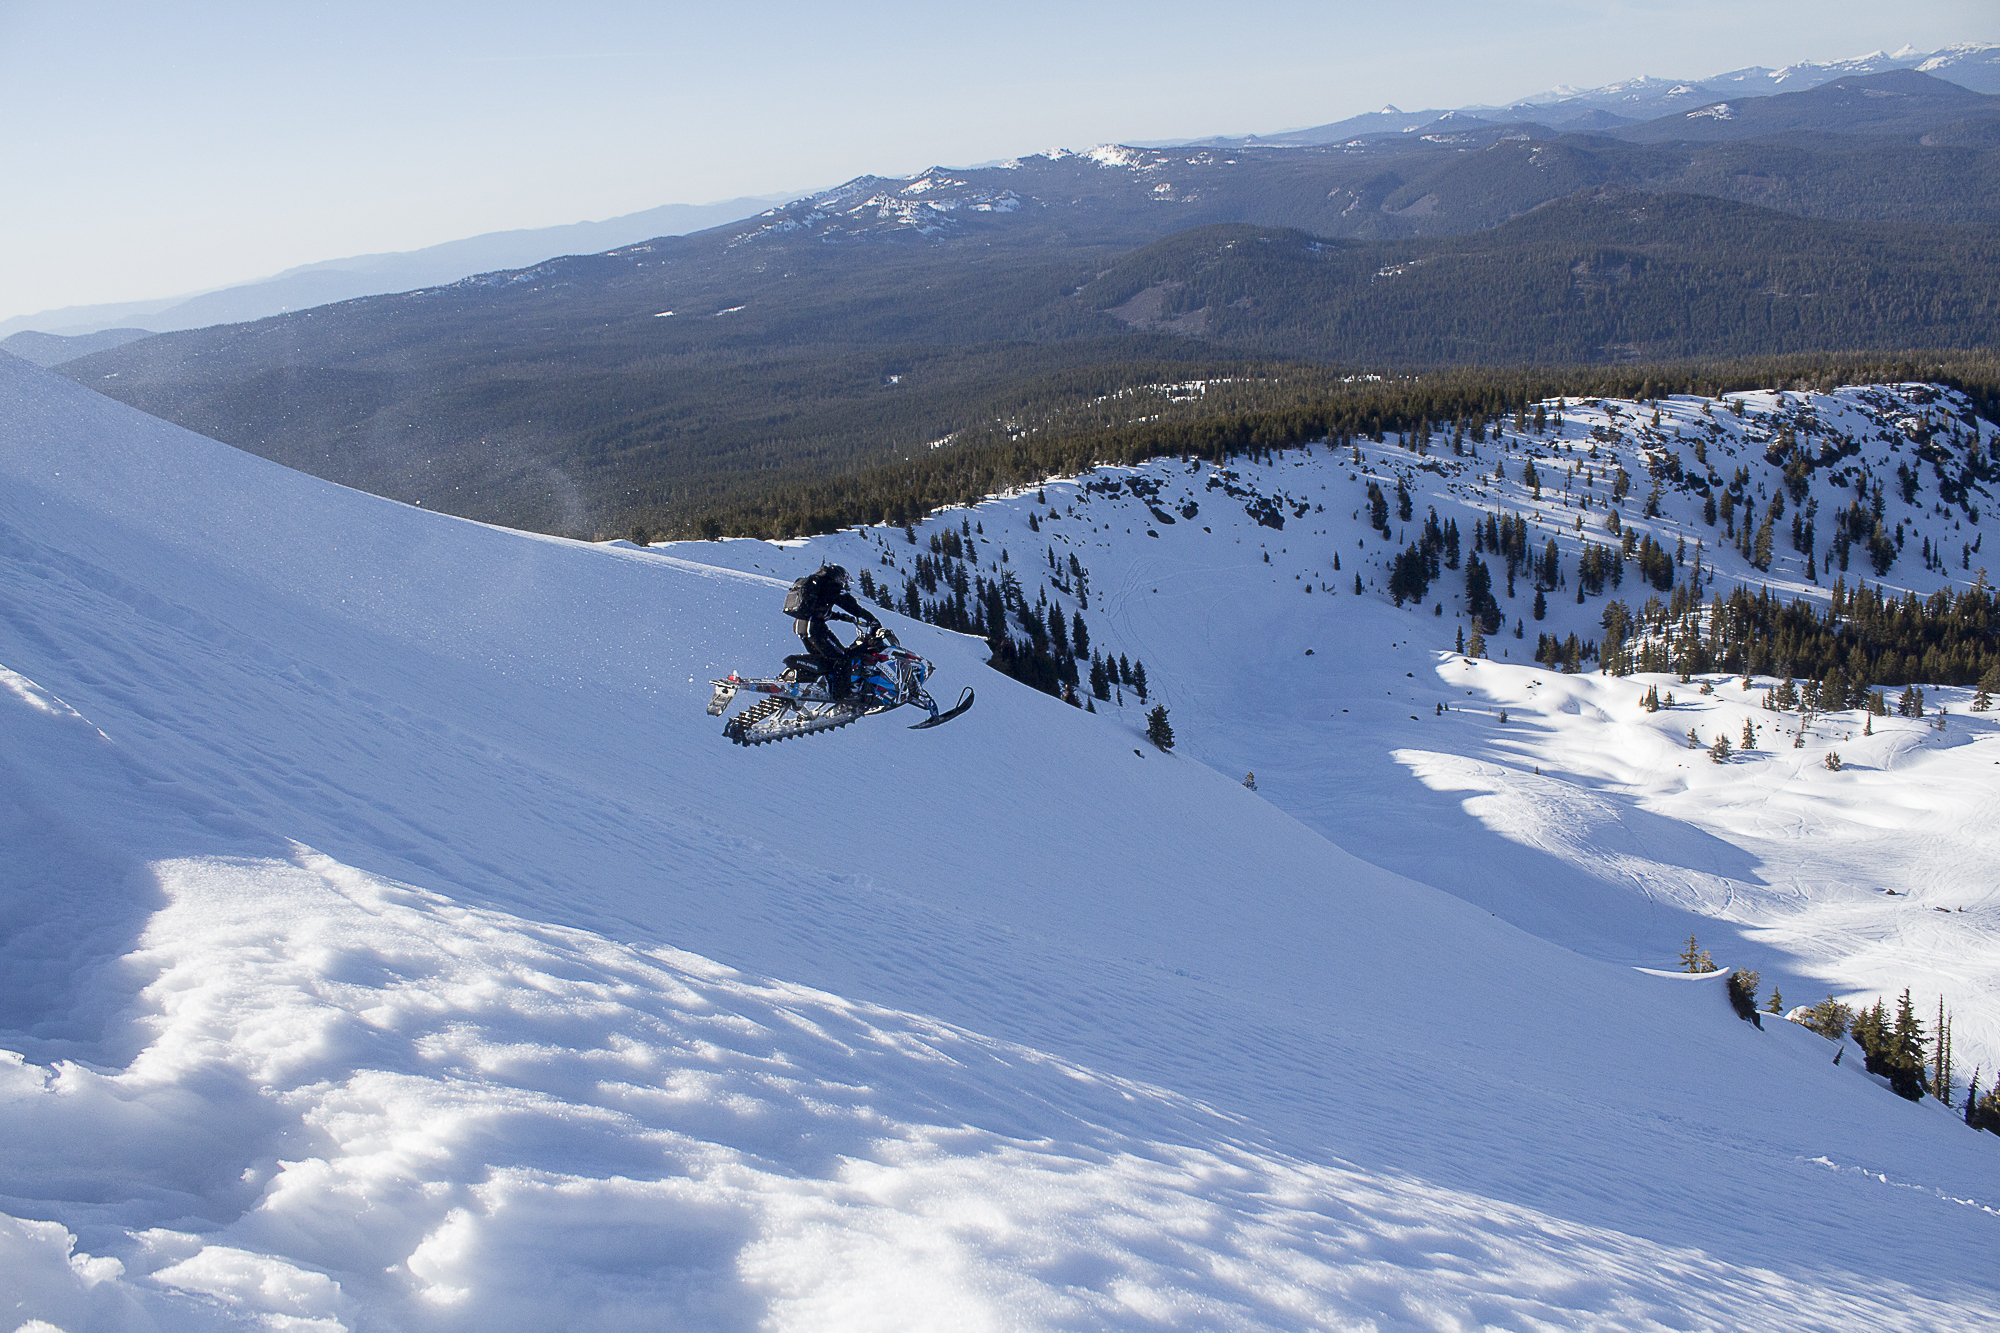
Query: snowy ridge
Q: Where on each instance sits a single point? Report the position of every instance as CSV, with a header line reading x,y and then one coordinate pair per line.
x,y
1973,65
936,203
393,943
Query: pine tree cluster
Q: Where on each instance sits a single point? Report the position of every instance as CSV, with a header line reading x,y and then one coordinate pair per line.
x,y
1864,639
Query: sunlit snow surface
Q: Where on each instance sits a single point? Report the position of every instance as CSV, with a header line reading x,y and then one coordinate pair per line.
x,y
392,942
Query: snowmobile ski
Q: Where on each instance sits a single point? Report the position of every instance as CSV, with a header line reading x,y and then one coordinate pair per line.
x,y
964,702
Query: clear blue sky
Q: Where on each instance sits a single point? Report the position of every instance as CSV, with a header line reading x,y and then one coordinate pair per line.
x,y
154,149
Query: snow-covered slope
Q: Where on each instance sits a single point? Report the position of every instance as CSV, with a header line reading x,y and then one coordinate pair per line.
x,y
392,942
1585,820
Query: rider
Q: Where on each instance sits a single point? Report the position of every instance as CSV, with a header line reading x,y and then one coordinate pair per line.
x,y
813,600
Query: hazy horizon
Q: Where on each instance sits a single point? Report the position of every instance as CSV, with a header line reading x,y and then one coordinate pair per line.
x,y
177,152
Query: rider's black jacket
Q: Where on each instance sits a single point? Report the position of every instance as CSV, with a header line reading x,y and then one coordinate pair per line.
x,y
826,651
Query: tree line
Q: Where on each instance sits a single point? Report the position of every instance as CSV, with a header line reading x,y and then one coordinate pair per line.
x,y
1267,408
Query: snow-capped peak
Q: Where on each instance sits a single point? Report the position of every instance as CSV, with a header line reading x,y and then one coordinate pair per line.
x,y
1117,155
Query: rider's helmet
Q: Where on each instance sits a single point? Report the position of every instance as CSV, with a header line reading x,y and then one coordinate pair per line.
x,y
837,574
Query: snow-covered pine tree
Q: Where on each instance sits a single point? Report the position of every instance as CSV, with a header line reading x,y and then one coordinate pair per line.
x,y
1158,730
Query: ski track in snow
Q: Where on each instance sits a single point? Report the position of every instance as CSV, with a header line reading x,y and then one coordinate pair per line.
x,y
391,942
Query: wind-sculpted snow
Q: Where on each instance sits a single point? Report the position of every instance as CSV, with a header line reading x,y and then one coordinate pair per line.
x,y
391,941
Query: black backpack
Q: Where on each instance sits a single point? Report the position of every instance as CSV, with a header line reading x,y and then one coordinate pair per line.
x,y
807,596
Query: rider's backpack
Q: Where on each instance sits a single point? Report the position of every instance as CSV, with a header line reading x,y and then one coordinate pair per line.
x,y
806,597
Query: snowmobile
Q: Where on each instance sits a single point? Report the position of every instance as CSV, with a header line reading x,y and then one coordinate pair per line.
x,y
881,675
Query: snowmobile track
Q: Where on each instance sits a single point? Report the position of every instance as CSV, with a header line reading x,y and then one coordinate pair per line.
x,y
740,725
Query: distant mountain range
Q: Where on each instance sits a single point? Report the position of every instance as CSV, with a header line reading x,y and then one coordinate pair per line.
x,y
861,324
1971,65
370,275
1610,108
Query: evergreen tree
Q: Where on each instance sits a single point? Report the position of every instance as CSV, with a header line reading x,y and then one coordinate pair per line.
x,y
1719,752
1158,730
1941,1056
1743,994
1080,635
1694,958
1829,1018
1777,1002
1986,1114
1870,1029
1250,781
1480,603
1139,680
1989,685
1908,1034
